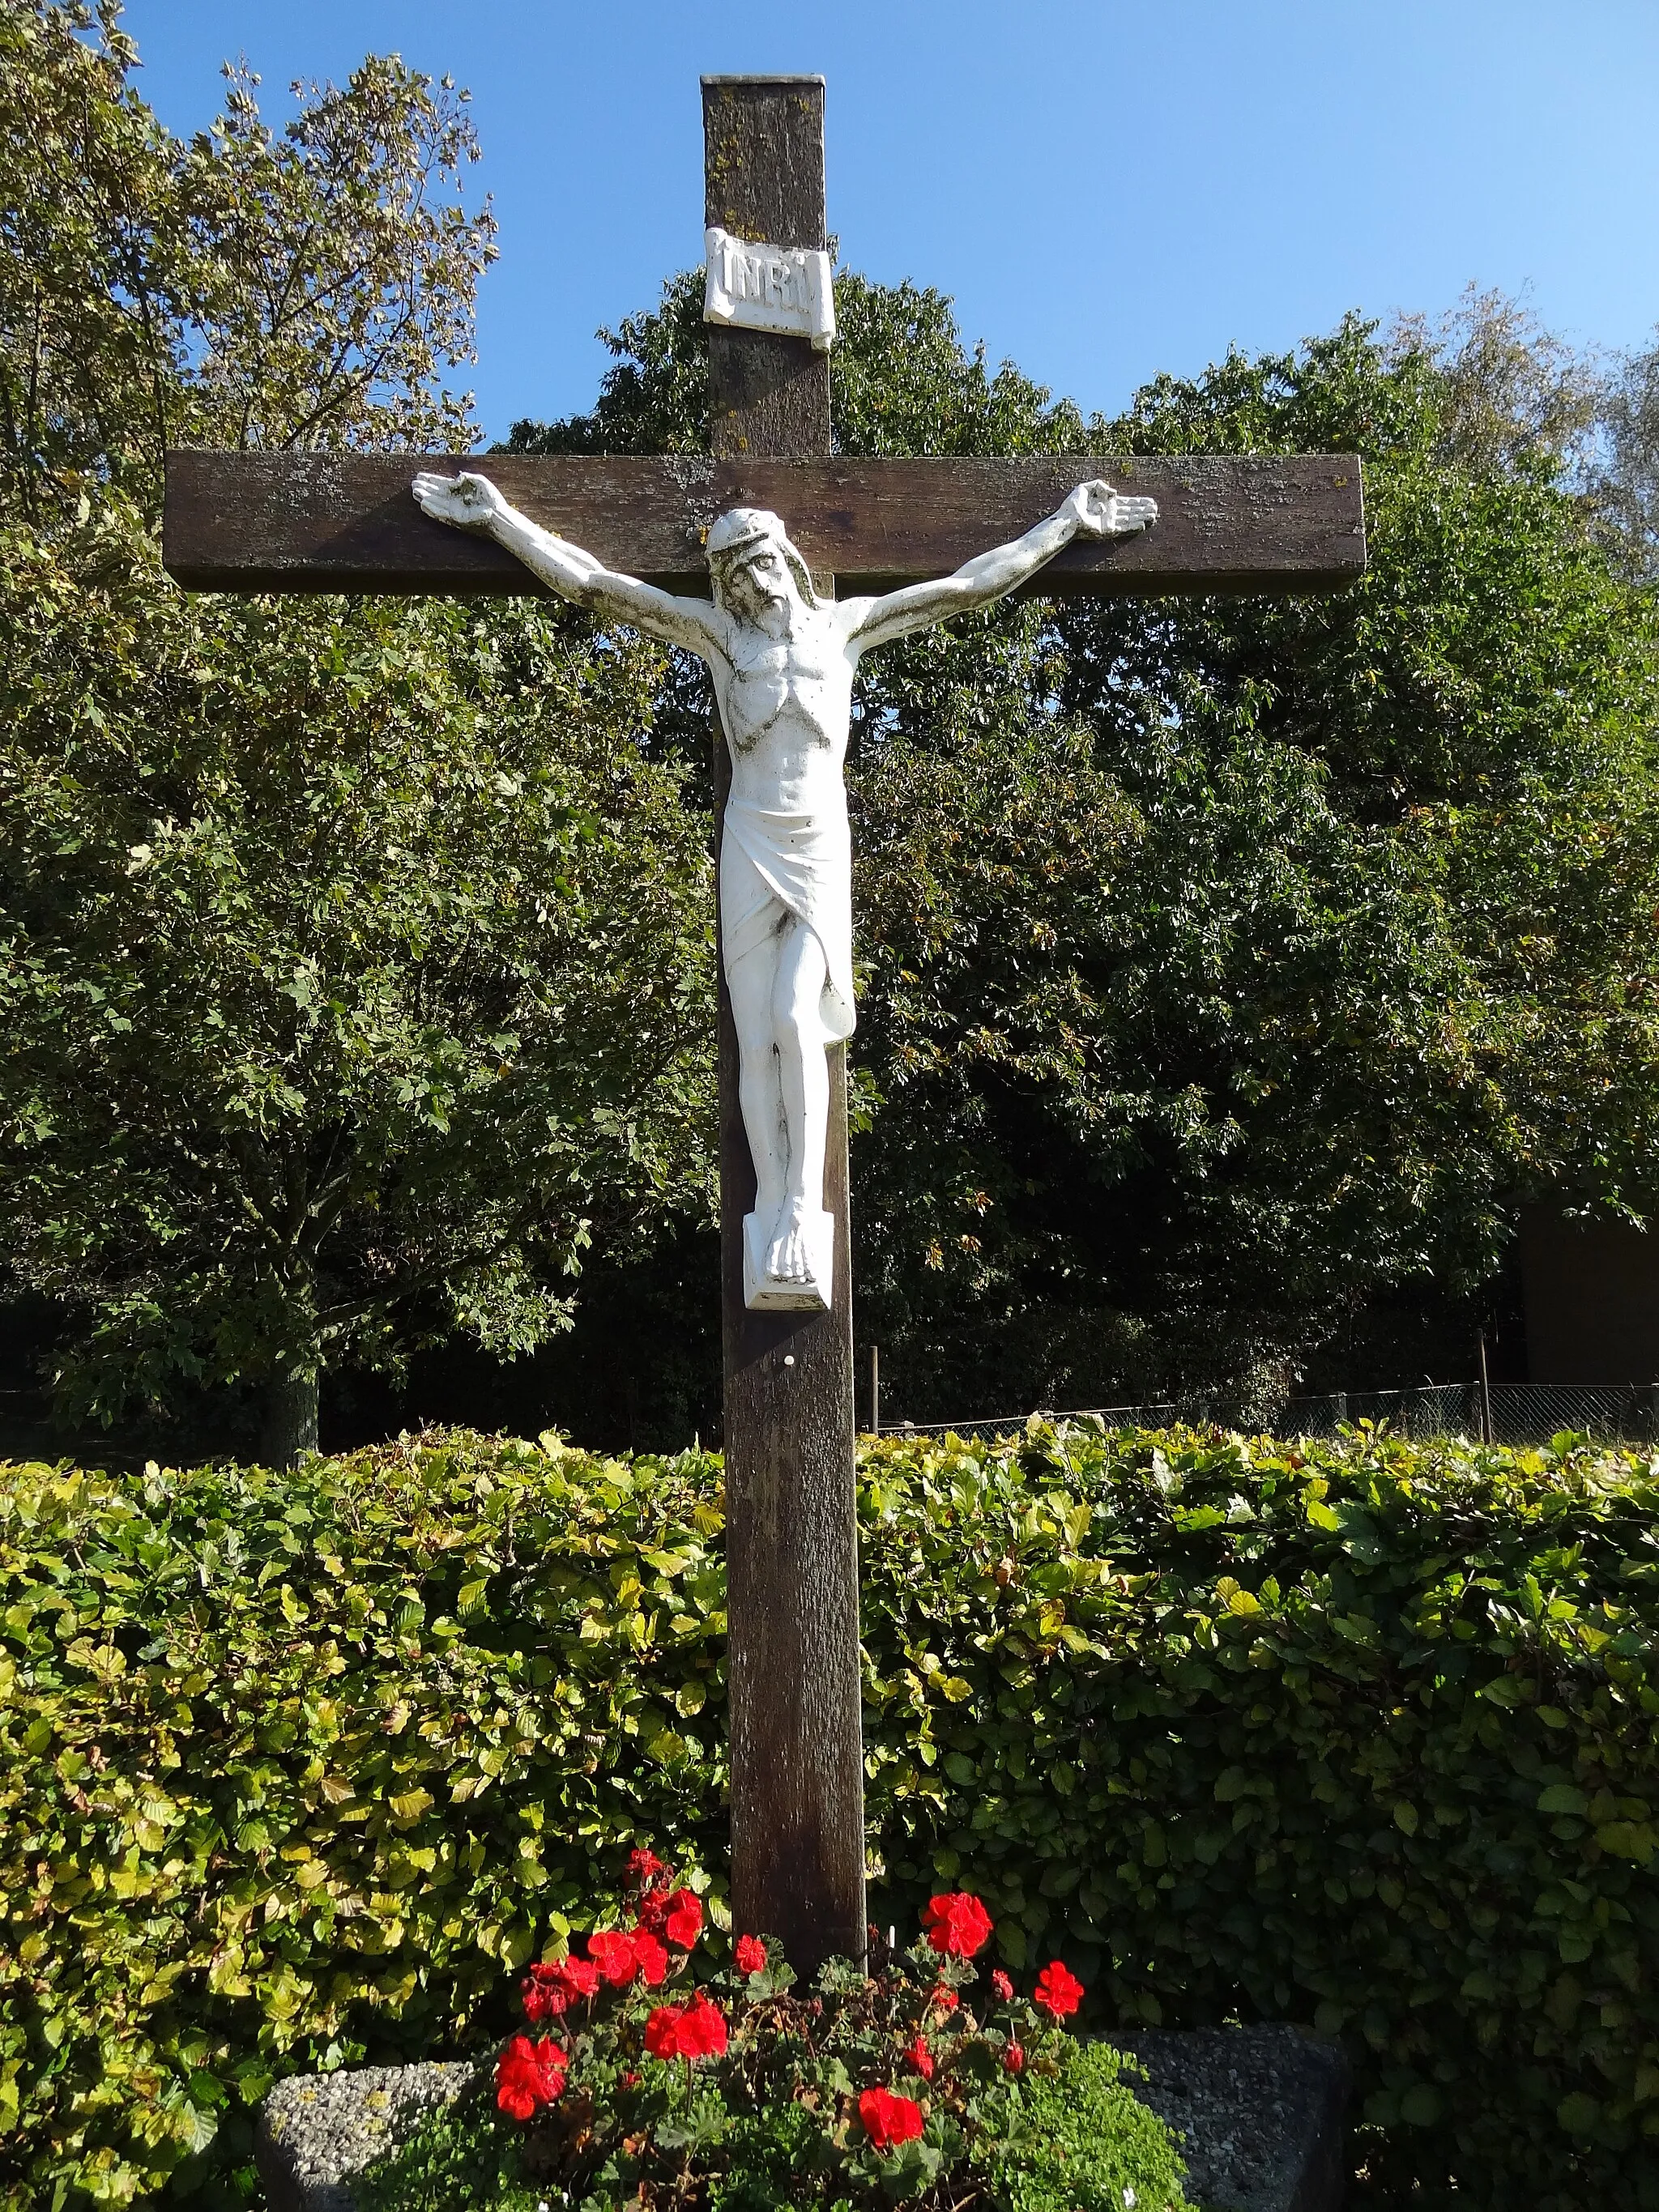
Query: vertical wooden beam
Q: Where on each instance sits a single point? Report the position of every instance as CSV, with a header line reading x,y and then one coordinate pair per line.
x,y
792,1535
762,140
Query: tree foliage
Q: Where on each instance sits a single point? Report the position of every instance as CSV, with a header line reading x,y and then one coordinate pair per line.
x,y
246,288
1232,967
1231,970
356,958
342,936
1627,484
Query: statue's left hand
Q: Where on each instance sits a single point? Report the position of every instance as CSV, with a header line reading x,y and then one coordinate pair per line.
x,y
470,502
1100,511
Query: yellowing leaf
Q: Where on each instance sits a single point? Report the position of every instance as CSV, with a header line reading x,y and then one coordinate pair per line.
x,y
1628,1839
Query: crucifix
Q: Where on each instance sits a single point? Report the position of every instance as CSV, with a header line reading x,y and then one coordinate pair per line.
x,y
778,562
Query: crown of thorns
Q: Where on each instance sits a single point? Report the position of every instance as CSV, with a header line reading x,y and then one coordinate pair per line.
x,y
740,526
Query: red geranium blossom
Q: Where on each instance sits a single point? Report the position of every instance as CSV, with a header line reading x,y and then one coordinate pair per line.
x,y
1001,1985
620,1953
683,1921
650,1958
922,2058
554,1985
528,2076
662,2032
1012,2058
652,1909
705,2027
644,1865
695,2029
1058,1991
889,2120
611,1950
957,1924
752,1955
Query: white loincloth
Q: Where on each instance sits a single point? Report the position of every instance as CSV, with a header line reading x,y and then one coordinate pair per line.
x,y
774,862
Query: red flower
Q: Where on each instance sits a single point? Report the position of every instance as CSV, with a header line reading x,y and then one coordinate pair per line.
x,y
1058,1991
1012,2058
956,1925
889,2120
644,1865
752,1955
705,2028
1000,1984
650,1958
611,1950
695,2029
652,1909
620,1953
528,2076
922,2058
551,1987
941,1999
684,1922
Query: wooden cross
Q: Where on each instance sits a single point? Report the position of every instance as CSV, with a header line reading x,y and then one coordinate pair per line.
x,y
345,522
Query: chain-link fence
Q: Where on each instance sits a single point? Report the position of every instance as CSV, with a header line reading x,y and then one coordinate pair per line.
x,y
1502,1413
1164,1414
1507,1412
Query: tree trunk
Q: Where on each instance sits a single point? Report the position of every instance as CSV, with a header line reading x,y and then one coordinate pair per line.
x,y
290,1422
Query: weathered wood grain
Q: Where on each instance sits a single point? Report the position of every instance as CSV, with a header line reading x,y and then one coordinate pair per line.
x,y
346,522
793,1682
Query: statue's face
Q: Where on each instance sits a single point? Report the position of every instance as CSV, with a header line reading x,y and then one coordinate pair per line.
x,y
755,579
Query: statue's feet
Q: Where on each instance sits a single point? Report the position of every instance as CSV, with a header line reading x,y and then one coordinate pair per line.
x,y
789,1255
788,1260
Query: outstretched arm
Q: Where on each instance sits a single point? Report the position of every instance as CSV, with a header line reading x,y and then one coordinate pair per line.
x,y
473,502
1093,510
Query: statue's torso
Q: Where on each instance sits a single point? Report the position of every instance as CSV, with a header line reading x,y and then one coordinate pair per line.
x,y
785,703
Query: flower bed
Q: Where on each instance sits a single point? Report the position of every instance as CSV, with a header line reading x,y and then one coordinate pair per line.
x,y
656,2080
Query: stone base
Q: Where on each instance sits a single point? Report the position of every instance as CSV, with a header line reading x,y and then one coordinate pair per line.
x,y
317,2131
762,1294
1260,2110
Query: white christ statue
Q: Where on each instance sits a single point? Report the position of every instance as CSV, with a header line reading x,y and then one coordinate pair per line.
x,y
782,659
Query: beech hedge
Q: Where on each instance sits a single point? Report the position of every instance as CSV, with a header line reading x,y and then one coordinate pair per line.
x,y
295,1769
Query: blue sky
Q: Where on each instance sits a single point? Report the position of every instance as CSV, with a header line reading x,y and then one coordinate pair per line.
x,y
1106,190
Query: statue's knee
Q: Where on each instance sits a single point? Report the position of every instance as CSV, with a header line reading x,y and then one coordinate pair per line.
x,y
799,1009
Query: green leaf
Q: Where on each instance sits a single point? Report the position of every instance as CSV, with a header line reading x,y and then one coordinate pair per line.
x,y
1421,2105
1562,1797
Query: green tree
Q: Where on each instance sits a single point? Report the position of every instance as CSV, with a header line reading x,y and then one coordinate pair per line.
x,y
1232,966
1626,476
355,961
243,288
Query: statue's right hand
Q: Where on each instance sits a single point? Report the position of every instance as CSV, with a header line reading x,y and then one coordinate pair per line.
x,y
470,502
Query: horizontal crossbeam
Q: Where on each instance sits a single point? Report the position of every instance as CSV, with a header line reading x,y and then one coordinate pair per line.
x,y
346,522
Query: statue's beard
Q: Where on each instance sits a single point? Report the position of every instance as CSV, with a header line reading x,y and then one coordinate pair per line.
x,y
750,604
